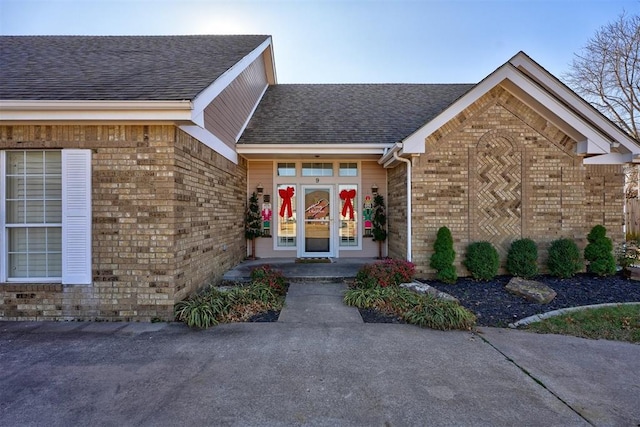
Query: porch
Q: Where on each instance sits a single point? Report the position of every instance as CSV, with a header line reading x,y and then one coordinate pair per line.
x,y
306,269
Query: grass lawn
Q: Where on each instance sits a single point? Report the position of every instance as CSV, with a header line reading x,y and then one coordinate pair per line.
x,y
619,323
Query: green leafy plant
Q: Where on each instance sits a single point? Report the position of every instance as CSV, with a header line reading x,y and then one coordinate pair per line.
x,y
201,311
443,256
253,223
522,258
379,222
265,275
389,272
482,260
564,258
599,252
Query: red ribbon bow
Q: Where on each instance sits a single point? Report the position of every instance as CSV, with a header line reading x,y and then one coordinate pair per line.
x,y
347,196
286,195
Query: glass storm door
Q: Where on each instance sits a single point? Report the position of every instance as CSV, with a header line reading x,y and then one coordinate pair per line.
x,y
317,228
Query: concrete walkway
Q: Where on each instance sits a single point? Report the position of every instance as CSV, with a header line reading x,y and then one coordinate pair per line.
x,y
318,366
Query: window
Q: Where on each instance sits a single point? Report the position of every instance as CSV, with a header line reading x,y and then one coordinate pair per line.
x,y
348,215
45,220
286,215
286,169
348,169
317,169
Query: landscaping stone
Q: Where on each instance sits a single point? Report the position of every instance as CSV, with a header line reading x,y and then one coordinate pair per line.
x,y
531,290
423,288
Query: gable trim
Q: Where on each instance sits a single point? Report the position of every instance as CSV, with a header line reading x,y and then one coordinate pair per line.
x,y
596,143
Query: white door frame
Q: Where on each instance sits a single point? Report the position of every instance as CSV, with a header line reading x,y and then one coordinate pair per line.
x,y
302,252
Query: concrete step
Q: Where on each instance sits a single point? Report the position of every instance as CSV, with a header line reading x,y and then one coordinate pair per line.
x,y
315,302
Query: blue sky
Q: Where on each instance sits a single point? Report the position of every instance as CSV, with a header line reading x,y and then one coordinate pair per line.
x,y
340,41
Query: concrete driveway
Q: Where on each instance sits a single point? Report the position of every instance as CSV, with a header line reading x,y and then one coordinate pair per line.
x,y
315,374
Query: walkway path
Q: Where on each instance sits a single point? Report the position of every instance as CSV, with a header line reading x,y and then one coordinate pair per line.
x,y
317,303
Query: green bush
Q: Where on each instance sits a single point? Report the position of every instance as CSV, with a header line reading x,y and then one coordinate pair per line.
x,y
443,256
599,252
267,276
522,259
421,310
564,258
482,260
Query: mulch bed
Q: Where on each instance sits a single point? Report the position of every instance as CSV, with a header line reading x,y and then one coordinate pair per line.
x,y
494,306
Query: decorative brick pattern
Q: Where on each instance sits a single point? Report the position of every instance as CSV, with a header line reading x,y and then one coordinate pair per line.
x,y
167,219
499,171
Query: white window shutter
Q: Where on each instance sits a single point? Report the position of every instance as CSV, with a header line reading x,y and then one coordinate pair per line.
x,y
76,217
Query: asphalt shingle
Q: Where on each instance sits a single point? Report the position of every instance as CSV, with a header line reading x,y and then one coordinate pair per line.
x,y
347,113
116,67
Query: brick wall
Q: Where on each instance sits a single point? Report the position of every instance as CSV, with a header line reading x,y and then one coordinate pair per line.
x,y
397,212
498,171
166,211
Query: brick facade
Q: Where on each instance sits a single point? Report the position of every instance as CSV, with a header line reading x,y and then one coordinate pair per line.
x,y
498,171
168,218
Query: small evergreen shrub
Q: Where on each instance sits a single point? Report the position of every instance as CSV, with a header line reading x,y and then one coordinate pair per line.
x,y
482,260
390,272
564,258
267,276
443,256
522,259
599,252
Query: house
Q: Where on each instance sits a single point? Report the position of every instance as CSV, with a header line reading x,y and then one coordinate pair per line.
x,y
126,164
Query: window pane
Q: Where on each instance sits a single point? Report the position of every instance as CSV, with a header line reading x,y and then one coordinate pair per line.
x,y
15,162
53,187
53,162
37,238
35,187
348,215
34,161
286,198
18,266
54,239
286,169
17,240
348,169
317,169
15,187
55,265
53,213
35,211
15,212
37,265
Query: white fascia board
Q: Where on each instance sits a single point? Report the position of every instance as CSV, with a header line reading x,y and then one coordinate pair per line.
x,y
609,159
416,141
312,149
211,141
34,110
204,98
388,156
521,60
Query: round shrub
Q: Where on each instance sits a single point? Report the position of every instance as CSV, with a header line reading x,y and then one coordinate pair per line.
x,y
482,260
599,252
564,258
522,259
443,256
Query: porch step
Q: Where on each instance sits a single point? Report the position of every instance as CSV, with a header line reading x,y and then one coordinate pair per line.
x,y
318,303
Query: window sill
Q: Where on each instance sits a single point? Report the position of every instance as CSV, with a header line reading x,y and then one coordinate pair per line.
x,y
30,287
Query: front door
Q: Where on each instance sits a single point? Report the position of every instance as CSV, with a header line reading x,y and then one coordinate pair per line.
x,y
317,226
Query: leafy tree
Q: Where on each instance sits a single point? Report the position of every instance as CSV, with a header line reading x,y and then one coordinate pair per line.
x,y
253,223
599,252
379,221
607,74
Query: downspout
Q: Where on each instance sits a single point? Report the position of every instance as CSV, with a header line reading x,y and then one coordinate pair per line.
x,y
409,197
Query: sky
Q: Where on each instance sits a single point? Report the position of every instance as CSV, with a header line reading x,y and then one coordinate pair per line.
x,y
349,41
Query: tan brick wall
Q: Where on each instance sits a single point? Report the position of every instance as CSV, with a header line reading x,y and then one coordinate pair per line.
x,y
499,171
159,211
397,212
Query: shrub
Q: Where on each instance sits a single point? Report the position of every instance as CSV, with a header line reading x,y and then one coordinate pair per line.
x,y
598,252
267,276
522,259
564,258
482,260
443,256
390,272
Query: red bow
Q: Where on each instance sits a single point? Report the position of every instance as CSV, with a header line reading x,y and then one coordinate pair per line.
x,y
286,196
347,196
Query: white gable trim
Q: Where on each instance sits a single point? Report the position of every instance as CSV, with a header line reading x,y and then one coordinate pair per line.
x,y
521,60
312,149
204,98
211,141
596,142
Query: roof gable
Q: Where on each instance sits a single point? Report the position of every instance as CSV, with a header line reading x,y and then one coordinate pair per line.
x,y
117,68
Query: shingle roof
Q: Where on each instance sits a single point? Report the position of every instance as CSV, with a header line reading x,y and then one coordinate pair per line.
x,y
346,113
116,67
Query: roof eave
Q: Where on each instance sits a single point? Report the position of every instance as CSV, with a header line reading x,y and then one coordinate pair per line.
x,y
56,110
